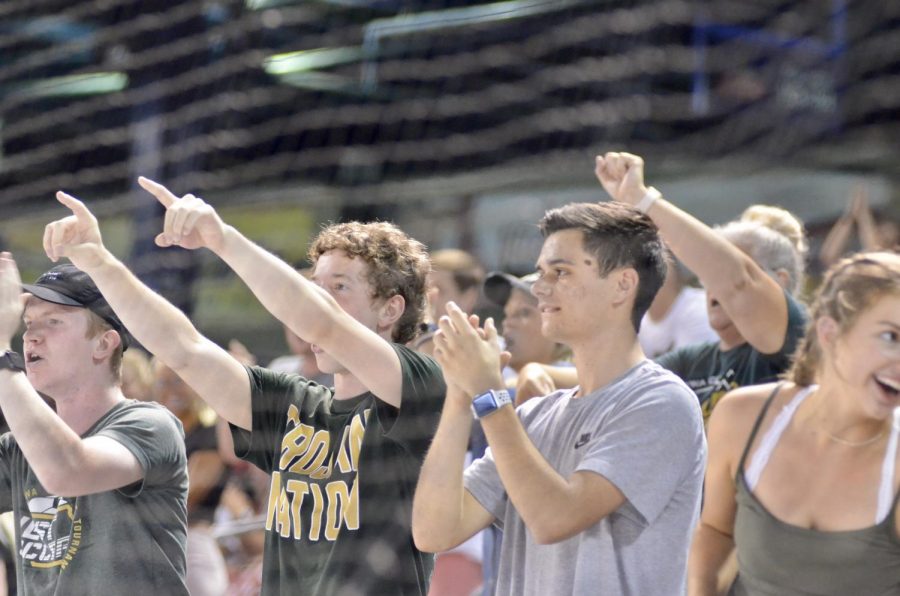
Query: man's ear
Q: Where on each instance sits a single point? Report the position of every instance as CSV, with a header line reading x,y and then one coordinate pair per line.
x,y
391,311
627,281
783,278
106,345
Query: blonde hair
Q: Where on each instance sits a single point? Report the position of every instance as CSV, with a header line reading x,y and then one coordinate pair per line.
x,y
782,221
851,286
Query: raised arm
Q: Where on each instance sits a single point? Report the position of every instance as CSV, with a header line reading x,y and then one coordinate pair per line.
x,y
445,514
835,244
537,379
536,489
869,236
163,329
752,299
306,309
64,463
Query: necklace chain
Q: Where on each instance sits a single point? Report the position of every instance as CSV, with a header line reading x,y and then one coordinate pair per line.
x,y
843,441
862,443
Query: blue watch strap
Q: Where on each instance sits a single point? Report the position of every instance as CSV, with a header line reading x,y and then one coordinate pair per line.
x,y
490,401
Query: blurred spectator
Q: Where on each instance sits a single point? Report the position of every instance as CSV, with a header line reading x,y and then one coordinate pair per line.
x,y
208,474
459,571
241,353
239,529
677,317
301,361
137,375
455,276
521,332
782,221
7,554
872,235
238,525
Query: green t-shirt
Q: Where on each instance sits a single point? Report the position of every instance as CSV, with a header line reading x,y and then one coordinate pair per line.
x,y
712,373
126,541
339,515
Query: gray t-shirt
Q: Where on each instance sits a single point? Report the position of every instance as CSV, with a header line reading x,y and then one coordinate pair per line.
x,y
127,541
644,433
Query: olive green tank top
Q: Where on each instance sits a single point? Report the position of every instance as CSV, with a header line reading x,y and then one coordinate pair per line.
x,y
780,559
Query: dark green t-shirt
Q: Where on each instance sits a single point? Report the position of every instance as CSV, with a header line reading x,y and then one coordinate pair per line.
x,y
339,514
127,541
712,373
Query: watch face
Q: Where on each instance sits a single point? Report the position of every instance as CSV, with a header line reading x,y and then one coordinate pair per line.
x,y
486,403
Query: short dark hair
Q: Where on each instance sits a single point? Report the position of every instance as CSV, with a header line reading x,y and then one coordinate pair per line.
x,y
618,235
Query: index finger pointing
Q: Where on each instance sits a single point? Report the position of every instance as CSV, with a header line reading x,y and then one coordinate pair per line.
x,y
75,206
163,194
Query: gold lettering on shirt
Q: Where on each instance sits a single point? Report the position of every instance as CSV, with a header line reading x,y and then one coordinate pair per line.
x,y
325,506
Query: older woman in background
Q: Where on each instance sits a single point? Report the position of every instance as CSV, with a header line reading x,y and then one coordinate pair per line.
x,y
750,270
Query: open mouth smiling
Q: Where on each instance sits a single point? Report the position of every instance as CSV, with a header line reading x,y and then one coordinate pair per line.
x,y
889,386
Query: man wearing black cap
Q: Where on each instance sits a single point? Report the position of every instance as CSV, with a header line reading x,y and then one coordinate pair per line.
x,y
98,488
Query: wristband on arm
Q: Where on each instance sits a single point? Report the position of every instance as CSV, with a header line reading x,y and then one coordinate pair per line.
x,y
651,197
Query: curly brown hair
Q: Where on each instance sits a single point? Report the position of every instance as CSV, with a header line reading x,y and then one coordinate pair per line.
x,y
851,286
398,265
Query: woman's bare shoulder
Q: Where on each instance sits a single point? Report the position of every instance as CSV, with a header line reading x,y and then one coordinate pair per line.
x,y
737,412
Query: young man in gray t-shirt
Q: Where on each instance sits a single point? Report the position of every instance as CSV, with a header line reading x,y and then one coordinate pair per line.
x,y
98,487
597,488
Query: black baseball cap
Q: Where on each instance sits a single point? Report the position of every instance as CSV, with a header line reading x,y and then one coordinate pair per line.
x,y
498,285
67,285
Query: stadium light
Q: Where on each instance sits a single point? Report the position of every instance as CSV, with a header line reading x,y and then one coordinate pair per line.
x,y
436,20
264,4
321,81
307,60
73,85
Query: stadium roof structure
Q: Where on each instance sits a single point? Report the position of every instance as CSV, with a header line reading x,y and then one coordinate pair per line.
x,y
383,101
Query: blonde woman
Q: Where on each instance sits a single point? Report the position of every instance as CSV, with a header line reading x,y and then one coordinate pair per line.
x,y
802,476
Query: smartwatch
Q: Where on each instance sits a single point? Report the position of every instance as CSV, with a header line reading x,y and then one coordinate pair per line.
x,y
489,401
13,361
